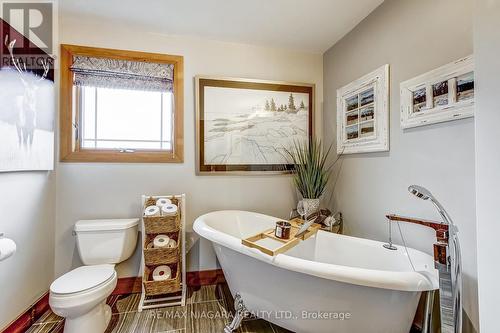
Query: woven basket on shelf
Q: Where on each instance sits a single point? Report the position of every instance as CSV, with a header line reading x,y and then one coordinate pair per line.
x,y
164,255
161,287
162,224
152,201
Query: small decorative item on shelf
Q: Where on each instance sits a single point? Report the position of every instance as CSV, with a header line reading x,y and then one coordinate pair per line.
x,y
163,259
329,222
311,174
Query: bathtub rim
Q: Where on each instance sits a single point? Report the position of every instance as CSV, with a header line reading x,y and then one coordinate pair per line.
x,y
394,280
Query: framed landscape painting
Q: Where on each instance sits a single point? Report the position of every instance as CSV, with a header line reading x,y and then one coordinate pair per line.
x,y
245,126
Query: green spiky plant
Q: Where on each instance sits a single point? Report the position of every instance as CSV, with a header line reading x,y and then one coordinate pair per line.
x,y
311,172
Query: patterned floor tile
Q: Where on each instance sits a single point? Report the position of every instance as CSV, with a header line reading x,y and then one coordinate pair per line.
x,y
49,317
202,294
278,329
224,294
50,327
125,303
207,317
150,321
255,326
208,310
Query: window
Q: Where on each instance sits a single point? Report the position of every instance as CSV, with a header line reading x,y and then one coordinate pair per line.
x,y
120,106
144,121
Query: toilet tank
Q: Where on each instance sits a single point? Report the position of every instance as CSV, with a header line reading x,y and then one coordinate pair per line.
x,y
106,241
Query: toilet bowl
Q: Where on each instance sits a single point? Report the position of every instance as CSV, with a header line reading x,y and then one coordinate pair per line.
x,y
80,295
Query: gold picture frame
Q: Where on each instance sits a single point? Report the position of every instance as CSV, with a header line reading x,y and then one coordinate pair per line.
x,y
247,108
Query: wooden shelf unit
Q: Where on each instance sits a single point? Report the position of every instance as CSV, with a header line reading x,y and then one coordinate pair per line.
x,y
170,292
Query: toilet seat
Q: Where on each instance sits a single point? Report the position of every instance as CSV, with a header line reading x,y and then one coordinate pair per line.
x,y
83,279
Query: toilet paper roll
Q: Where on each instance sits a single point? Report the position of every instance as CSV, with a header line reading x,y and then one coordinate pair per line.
x,y
172,243
152,211
169,210
162,202
162,273
161,241
7,248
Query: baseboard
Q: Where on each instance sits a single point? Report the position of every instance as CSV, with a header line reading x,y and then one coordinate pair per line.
x,y
204,278
128,285
25,320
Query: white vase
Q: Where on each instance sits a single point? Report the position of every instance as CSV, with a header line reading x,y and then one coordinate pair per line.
x,y
306,207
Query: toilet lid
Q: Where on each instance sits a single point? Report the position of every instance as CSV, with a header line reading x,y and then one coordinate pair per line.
x,y
82,278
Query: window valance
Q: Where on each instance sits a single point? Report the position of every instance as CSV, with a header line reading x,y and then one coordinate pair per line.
x,y
122,74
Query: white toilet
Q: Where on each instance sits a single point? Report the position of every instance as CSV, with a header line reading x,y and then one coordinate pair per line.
x,y
80,295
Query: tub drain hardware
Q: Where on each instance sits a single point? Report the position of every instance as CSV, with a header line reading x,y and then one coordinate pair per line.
x,y
389,245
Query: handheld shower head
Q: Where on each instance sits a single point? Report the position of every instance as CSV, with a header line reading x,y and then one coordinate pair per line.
x,y
420,192
425,194
454,258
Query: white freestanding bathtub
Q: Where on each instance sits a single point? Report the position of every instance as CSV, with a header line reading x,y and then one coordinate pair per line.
x,y
328,283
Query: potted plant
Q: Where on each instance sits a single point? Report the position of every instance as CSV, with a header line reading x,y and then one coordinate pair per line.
x,y
311,172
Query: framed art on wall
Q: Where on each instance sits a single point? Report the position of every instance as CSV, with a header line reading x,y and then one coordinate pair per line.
x,y
27,106
363,114
443,94
245,125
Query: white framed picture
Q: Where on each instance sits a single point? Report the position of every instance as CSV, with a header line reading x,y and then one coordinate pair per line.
x,y
443,94
363,114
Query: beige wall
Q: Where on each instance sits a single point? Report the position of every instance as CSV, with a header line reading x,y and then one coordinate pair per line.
x,y
487,50
413,37
28,214
113,190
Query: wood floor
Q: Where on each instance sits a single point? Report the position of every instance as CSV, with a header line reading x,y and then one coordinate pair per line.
x,y
208,309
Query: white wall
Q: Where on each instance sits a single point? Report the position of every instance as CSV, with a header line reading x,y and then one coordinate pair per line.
x,y
413,37
113,190
487,51
27,216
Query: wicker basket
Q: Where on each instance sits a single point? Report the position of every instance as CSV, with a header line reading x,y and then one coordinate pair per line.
x,y
161,224
161,287
160,256
151,201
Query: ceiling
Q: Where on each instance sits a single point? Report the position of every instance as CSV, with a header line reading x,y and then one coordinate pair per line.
x,y
307,25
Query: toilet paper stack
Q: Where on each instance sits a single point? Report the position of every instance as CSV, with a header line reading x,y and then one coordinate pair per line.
x,y
163,272
163,207
163,241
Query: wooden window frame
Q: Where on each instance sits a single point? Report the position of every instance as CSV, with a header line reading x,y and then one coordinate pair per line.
x,y
69,146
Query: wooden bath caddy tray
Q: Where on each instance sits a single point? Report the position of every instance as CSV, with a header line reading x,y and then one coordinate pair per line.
x,y
284,244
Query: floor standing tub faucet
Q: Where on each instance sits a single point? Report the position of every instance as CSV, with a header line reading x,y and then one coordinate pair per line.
x,y
450,296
